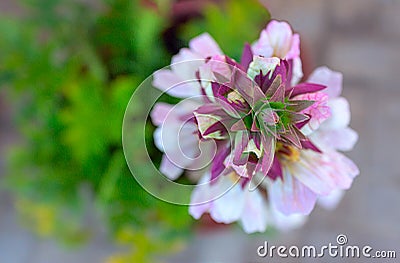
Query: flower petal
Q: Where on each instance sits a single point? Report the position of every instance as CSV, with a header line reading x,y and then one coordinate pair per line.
x,y
331,201
254,217
280,37
294,51
169,169
340,114
160,112
205,45
229,207
333,80
286,222
290,196
169,82
341,139
200,201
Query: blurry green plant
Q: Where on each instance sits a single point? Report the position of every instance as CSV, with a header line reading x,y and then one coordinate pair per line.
x,y
70,69
231,24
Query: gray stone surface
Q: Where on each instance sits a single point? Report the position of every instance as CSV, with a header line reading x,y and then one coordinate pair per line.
x,y
358,37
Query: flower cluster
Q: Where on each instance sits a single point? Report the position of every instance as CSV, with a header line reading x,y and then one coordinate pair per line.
x,y
275,141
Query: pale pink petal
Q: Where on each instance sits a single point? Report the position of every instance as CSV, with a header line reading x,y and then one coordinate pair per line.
x,y
286,222
314,171
291,196
254,216
333,80
176,137
171,83
340,114
327,172
180,146
160,112
280,37
184,55
331,201
205,45
341,139
180,143
262,47
206,150
345,167
186,63
169,169
294,51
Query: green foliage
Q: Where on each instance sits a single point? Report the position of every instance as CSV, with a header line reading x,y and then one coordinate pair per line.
x,y
231,25
70,69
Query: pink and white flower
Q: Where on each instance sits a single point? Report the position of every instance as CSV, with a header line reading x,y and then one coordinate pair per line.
x,y
278,40
276,141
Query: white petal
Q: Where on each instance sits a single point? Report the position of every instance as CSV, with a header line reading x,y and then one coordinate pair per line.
x,y
333,80
169,82
341,139
200,201
229,207
286,222
280,37
331,201
186,63
340,114
254,216
158,139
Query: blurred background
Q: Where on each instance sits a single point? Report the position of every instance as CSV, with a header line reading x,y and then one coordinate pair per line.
x,y
67,71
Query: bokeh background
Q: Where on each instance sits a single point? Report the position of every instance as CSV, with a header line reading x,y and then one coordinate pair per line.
x,y
67,70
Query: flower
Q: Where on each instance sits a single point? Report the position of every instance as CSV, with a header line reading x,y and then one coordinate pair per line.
x,y
276,141
278,40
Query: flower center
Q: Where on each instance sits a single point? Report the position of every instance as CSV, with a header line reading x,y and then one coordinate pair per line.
x,y
287,152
